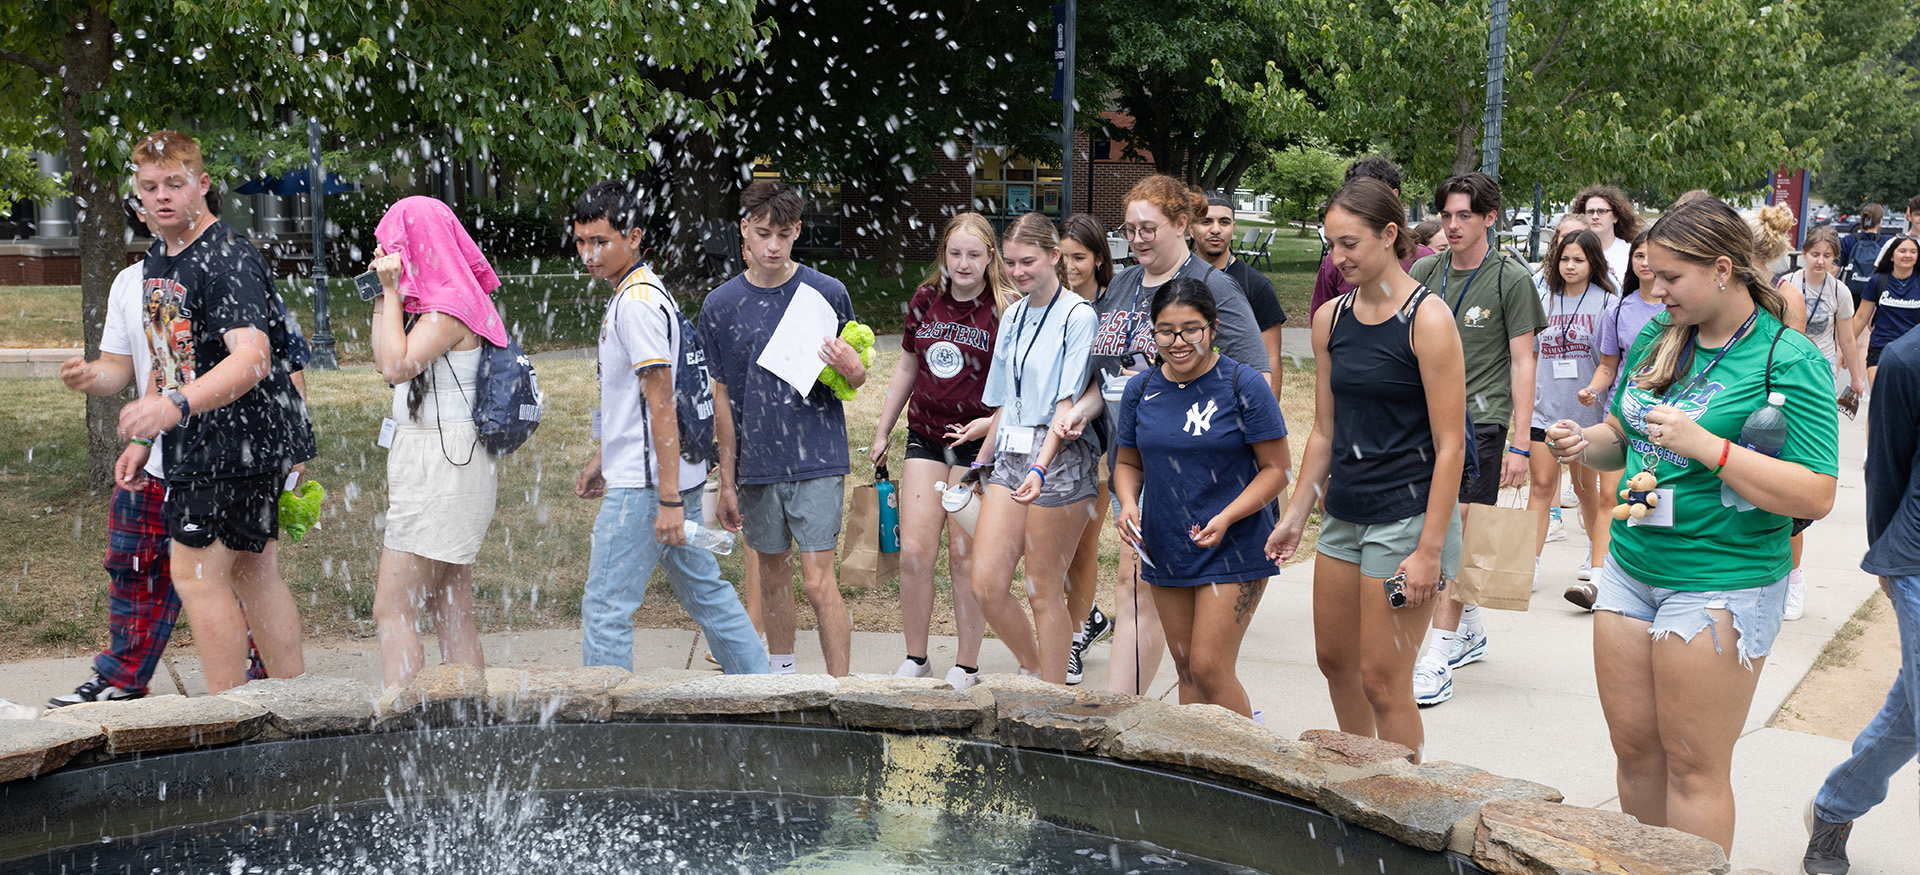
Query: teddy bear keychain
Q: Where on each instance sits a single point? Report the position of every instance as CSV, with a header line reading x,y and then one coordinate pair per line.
x,y
1639,497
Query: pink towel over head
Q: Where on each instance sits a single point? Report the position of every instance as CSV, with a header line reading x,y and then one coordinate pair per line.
x,y
444,271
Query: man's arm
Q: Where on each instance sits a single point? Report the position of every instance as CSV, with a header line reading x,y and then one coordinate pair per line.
x,y
1271,337
1514,468
107,375
248,359
723,435
656,383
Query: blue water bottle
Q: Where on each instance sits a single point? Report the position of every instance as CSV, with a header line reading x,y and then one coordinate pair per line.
x,y
889,511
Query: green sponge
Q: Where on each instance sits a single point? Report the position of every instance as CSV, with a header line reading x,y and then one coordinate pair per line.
x,y
300,509
860,337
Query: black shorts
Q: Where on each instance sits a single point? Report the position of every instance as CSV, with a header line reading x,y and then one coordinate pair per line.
x,y
1489,446
920,446
1873,356
1537,434
240,512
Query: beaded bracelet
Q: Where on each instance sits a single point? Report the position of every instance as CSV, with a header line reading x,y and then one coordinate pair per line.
x,y
141,441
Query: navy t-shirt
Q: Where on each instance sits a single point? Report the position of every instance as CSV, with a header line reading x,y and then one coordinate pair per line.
x,y
190,301
1897,307
783,437
1196,456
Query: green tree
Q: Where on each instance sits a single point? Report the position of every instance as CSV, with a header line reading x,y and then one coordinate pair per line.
x,y
558,92
1873,140
1301,176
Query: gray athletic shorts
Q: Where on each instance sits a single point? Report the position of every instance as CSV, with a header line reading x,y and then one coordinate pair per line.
x,y
1070,476
805,511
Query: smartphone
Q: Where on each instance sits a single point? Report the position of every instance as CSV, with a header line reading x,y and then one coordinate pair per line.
x,y
369,285
1849,402
1397,590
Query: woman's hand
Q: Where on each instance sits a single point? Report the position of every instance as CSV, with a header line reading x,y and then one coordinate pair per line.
x,y
1129,524
1210,534
1668,427
1070,422
972,431
1423,577
389,268
1565,440
1285,540
878,455
1030,487
1590,396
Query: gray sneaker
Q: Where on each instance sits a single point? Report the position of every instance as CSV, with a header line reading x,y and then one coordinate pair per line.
x,y
1827,846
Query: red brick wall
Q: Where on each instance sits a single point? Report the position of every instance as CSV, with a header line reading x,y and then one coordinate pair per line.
x,y
930,201
38,270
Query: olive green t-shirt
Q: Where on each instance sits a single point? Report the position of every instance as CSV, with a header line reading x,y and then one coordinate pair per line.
x,y
1491,305
1710,546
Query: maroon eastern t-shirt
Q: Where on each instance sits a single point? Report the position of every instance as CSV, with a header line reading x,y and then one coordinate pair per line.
x,y
954,342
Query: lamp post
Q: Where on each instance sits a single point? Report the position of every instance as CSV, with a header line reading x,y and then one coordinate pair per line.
x,y
323,353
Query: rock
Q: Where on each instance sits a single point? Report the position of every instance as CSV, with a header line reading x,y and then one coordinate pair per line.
x,y
1057,719
546,694
1354,750
1208,738
1481,780
1543,838
1403,806
1014,682
908,711
770,695
311,704
158,723
880,683
31,748
448,694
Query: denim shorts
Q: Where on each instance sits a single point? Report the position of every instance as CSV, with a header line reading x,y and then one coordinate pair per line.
x,y
1757,612
807,512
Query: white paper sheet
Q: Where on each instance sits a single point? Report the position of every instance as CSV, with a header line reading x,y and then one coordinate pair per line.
x,y
793,353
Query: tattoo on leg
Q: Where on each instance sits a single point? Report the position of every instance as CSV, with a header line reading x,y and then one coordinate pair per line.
x,y
1249,596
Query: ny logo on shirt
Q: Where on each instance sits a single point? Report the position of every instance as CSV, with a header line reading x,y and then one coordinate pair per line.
x,y
1200,421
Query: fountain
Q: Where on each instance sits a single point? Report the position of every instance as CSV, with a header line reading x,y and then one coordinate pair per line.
x,y
598,770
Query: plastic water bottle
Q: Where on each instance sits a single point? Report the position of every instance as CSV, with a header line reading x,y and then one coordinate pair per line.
x,y
718,540
1765,431
889,511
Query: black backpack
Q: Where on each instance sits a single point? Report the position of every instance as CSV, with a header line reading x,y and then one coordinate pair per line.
x,y
506,401
1866,251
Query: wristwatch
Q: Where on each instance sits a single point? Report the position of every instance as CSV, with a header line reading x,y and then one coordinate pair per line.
x,y
179,400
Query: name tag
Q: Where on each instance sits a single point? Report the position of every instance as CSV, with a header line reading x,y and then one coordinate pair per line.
x,y
596,425
387,429
1660,516
1016,439
1566,369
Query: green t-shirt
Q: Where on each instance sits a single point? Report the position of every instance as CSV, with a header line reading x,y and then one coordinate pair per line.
x,y
1491,307
1711,546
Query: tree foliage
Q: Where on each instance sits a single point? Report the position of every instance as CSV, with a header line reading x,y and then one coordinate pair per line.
x,y
1300,177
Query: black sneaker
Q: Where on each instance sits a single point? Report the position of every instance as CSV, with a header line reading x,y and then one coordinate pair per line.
x,y
96,690
1073,662
1827,848
1099,626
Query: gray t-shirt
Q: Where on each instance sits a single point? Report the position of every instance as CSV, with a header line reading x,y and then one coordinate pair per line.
x,y
1126,323
1827,303
1569,349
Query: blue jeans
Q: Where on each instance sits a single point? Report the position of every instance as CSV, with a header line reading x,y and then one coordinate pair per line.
x,y
1891,740
624,555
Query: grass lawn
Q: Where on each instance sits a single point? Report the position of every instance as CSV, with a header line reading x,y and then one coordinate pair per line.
x,y
531,573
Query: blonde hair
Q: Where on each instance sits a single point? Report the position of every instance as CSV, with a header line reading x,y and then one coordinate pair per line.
x,y
1004,294
169,147
1770,230
1702,231
1035,229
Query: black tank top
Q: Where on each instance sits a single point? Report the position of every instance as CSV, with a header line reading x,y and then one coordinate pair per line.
x,y
1382,437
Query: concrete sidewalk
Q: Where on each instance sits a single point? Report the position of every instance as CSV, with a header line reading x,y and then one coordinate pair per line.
x,y
1529,710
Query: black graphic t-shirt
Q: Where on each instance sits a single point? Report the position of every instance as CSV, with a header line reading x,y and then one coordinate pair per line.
x,y
190,301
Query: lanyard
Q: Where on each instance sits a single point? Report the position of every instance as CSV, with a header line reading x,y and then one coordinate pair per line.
x,y
1019,327
1558,307
1687,357
1446,271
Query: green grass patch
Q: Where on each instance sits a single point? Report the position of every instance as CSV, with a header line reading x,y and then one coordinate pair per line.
x,y
40,316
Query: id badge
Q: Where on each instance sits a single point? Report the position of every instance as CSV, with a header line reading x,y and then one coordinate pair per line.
x,y
596,425
1566,369
1016,439
387,429
1660,516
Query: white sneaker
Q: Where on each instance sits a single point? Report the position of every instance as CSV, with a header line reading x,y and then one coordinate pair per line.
x,y
1469,646
1586,566
1567,498
1796,594
960,678
910,669
1556,531
1432,682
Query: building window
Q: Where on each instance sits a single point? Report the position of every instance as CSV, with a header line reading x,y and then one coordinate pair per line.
x,y
1006,185
820,207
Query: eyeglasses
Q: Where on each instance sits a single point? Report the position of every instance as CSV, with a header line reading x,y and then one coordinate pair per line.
x,y
1600,212
1164,336
1139,233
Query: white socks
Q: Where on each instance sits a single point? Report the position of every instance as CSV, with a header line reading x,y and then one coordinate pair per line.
x,y
782,663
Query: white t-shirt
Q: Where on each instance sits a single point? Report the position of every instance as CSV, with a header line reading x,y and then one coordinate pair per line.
x,y
1618,262
640,331
126,334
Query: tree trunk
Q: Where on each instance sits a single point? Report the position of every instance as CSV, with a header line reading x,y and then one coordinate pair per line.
x,y
701,189
87,54
1466,158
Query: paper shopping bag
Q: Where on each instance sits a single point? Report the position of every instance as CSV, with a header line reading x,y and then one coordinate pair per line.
x,y
862,564
1496,558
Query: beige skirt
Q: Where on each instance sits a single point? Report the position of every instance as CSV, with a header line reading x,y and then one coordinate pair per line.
x,y
435,508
